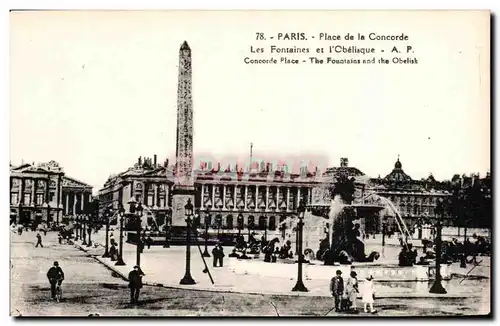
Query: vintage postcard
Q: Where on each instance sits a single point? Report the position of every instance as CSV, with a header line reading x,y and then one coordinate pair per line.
x,y
250,163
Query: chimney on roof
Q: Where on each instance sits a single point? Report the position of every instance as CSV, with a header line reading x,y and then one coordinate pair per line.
x,y
166,163
154,160
139,161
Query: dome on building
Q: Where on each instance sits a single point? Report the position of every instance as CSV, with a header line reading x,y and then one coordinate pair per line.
x,y
398,165
398,175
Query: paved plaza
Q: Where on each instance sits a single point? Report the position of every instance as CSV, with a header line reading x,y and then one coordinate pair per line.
x,y
91,287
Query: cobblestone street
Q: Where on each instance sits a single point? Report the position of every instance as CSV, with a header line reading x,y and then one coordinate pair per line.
x,y
90,287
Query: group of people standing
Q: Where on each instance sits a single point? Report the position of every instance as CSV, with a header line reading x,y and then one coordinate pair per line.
x,y
345,293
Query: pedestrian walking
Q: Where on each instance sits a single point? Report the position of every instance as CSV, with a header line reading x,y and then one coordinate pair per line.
x,y
113,252
135,283
337,289
38,240
221,255
20,230
368,294
55,276
351,290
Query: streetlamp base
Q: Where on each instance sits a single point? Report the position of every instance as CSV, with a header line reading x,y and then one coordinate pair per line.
x,y
120,262
187,280
106,254
300,287
205,254
84,243
438,288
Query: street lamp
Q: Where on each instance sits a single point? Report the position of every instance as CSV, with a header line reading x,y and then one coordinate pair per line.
x,y
265,229
167,227
84,243
437,287
107,213
81,227
384,230
92,218
207,218
138,221
187,279
120,261
77,227
299,286
240,224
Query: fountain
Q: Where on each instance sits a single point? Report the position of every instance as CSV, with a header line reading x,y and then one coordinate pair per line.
x,y
330,221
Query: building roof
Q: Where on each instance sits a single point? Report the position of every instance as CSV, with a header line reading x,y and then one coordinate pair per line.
x,y
397,175
74,183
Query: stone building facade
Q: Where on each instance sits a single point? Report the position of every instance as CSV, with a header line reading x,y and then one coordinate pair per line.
x,y
262,197
414,199
43,193
258,198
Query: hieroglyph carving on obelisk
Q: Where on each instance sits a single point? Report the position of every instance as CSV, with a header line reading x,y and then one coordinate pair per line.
x,y
184,150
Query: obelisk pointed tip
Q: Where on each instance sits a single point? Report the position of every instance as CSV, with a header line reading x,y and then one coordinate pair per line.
x,y
185,46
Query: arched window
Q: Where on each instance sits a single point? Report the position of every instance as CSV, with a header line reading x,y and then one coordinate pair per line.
x,y
218,222
262,223
272,223
240,222
251,222
229,222
208,220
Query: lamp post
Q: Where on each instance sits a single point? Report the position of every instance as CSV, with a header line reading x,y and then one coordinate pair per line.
x,y
120,261
219,222
384,230
92,217
265,229
437,287
299,286
167,228
207,217
107,214
77,227
138,221
84,241
187,279
240,224
81,227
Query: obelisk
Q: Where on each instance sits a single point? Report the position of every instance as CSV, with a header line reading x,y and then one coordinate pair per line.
x,y
183,178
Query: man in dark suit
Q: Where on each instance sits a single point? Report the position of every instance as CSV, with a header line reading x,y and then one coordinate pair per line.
x,y
55,276
337,289
135,283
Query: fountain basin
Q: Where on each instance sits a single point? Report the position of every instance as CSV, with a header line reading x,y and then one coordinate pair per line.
x,y
316,270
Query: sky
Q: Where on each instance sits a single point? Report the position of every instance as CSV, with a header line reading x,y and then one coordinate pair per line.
x,y
96,90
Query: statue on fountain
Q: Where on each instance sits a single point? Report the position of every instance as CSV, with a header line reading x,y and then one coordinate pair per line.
x,y
347,244
269,250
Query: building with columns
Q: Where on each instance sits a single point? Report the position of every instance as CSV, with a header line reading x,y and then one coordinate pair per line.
x,y
43,193
262,197
258,198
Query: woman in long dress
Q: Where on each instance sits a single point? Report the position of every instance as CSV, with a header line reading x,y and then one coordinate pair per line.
x,y
351,289
368,293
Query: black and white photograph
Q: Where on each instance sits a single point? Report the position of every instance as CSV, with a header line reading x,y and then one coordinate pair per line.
x,y
321,163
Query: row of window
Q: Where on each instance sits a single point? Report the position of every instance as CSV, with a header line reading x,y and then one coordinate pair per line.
x,y
39,199
405,199
228,223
